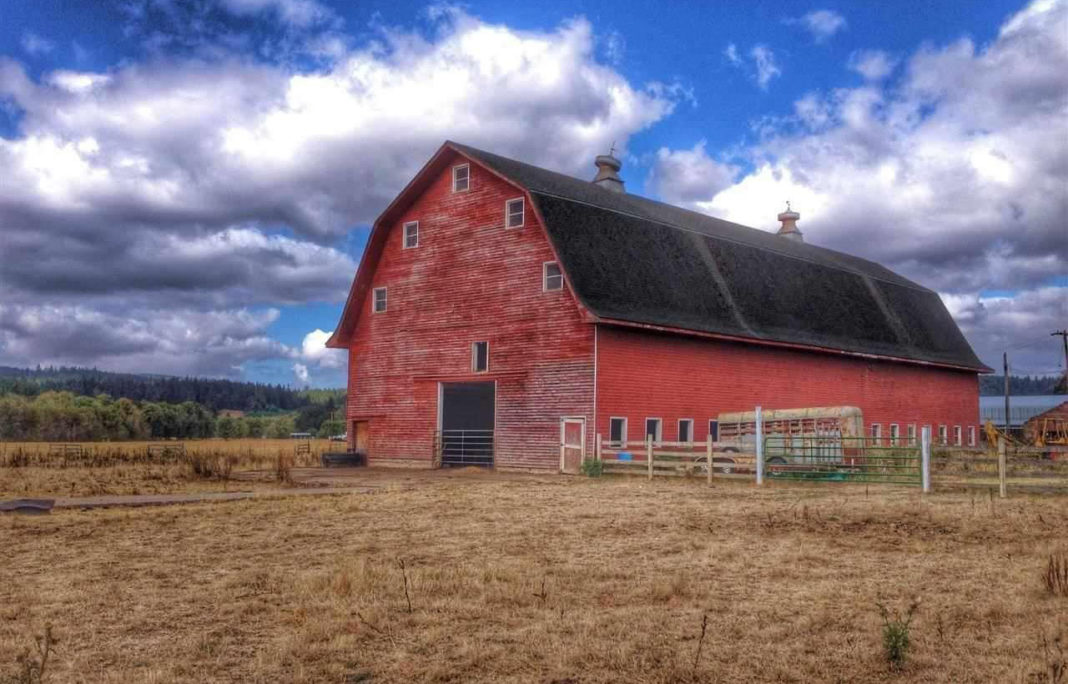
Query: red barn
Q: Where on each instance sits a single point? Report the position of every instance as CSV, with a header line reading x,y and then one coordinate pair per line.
x,y
500,309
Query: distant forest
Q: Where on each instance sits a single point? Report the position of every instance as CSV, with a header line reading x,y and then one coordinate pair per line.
x,y
1022,385
215,395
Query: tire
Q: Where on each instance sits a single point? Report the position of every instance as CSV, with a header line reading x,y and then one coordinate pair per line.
x,y
726,465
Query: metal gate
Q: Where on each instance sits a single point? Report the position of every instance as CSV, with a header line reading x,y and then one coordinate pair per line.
x,y
467,423
833,458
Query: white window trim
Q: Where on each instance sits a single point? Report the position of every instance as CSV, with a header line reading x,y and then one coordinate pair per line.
x,y
374,300
910,434
623,442
709,433
875,432
404,235
943,435
522,213
678,429
971,435
958,436
895,434
454,169
659,436
474,356
545,277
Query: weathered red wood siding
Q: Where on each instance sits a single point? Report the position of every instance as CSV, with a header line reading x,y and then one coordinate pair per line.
x,y
470,279
649,375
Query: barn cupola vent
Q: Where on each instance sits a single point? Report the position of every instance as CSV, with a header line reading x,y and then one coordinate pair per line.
x,y
789,229
608,171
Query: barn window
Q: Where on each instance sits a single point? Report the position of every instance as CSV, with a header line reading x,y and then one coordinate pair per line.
x,y
895,432
686,429
957,436
971,435
713,430
911,431
617,431
379,299
942,434
876,434
652,429
461,178
513,213
480,357
411,234
552,277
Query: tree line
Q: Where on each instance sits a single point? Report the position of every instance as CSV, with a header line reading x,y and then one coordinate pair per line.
x,y
1022,385
63,416
213,394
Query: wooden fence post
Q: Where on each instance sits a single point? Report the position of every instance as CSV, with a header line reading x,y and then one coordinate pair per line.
x,y
649,454
1001,466
597,448
708,455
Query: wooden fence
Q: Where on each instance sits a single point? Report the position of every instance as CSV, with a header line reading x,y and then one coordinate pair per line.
x,y
685,459
1007,468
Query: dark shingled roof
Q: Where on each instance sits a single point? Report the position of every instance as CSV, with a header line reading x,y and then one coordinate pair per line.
x,y
636,260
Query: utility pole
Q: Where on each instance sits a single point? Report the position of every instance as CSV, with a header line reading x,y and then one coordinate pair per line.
x,y
1064,338
1008,423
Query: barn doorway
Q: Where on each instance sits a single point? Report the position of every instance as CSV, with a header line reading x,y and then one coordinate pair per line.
x,y
468,415
572,444
359,435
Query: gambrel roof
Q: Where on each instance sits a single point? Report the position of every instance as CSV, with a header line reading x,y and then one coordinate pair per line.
x,y
631,260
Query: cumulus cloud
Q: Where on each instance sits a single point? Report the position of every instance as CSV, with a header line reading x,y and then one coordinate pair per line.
x,y
201,182
951,174
314,349
821,24
35,45
301,373
873,65
686,176
760,63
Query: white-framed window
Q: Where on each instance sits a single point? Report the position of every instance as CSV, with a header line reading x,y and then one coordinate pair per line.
x,y
876,432
480,357
379,296
713,430
653,428
461,178
895,432
686,429
971,435
911,432
552,278
942,438
958,438
514,213
411,234
617,431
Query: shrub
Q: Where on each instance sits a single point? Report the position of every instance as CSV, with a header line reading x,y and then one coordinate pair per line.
x,y
896,640
31,665
591,467
1056,576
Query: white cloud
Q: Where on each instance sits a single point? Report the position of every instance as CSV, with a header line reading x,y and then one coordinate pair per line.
x,y
314,350
684,176
301,373
951,174
874,65
35,45
731,53
766,66
822,24
300,13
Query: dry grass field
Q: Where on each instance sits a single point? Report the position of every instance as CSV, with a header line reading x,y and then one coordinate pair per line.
x,y
457,577
27,469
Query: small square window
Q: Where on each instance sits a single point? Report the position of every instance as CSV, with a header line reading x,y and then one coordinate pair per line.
x,y
411,234
686,430
713,430
480,357
652,429
876,434
513,213
957,437
461,178
942,435
971,435
912,434
553,277
895,433
379,299
617,431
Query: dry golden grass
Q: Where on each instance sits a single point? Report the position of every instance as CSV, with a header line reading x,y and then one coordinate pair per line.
x,y
126,468
520,578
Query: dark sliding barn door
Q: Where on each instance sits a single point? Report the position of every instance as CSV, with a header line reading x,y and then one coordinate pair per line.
x,y
467,410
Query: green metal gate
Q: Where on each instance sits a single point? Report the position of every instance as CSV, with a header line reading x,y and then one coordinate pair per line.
x,y
833,458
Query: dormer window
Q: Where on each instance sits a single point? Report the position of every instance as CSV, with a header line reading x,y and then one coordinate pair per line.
x,y
461,178
552,277
379,300
411,234
513,213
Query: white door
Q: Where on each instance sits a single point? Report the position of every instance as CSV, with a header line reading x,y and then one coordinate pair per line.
x,y
572,444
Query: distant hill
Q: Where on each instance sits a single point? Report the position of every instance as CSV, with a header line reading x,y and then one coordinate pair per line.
x,y
1021,386
214,394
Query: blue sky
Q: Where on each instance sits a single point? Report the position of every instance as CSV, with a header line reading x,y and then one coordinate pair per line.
x,y
206,171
